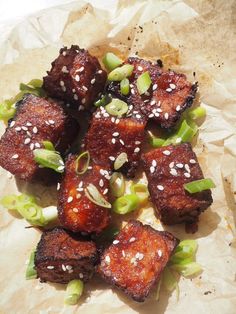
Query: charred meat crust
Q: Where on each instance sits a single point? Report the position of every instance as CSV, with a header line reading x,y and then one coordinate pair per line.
x,y
108,137
36,120
76,211
62,256
175,166
136,259
169,95
75,77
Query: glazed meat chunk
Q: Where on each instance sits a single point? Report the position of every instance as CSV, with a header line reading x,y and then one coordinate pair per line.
x,y
36,120
108,137
168,169
168,96
76,211
136,259
62,256
75,77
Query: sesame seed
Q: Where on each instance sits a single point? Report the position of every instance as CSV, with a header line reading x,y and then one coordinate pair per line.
x,y
18,128
32,146
166,115
63,267
80,69
73,90
28,133
166,152
151,115
105,192
113,120
50,267
171,165
117,121
63,88
116,134
93,81
58,186
107,259
138,116
132,239
27,140
106,115
169,90
136,150
153,102
81,108
64,69
64,53
24,128
38,146
69,267
12,124
172,86
29,124
154,87
35,130
122,142
81,275
111,158
70,199
62,83
101,183
179,165
116,241
83,101
77,78
51,121
84,88
177,108
156,114
160,187
192,161
113,140
154,163
137,142
100,72
123,253
152,169
141,256
132,91
173,172
75,210
186,166
140,68
187,175
159,252
76,97
15,156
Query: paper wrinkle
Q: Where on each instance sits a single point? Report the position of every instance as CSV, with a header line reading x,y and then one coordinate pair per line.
x,y
189,36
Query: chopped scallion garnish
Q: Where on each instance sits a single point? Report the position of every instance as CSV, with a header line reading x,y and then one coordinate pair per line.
x,y
124,87
141,191
74,291
199,185
48,145
144,82
96,197
30,270
49,159
121,159
103,101
111,61
82,163
117,107
120,73
117,184
126,204
197,113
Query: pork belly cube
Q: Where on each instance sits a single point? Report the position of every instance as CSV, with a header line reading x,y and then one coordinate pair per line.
x,y
136,259
36,120
75,77
76,211
169,95
108,137
168,169
62,256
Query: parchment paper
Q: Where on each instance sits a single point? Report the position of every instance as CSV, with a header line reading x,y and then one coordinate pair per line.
x,y
189,36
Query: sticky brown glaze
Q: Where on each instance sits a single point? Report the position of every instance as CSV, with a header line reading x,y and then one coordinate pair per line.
x,y
75,77
136,259
175,166
62,256
168,96
36,120
109,136
76,211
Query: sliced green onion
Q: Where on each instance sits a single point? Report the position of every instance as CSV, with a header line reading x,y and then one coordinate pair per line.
x,y
36,83
197,113
117,107
199,185
144,82
74,291
188,269
169,280
158,289
30,270
7,111
96,197
103,101
49,159
156,142
82,163
117,184
48,145
120,73
126,204
141,191
121,159
124,87
111,61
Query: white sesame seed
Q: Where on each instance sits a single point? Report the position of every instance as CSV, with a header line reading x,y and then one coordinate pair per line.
x,y
154,163
12,124
81,108
122,142
73,90
93,81
151,115
117,121
152,169
81,275
58,186
76,97
84,88
113,140
132,239
154,87
50,267
32,146
69,267
153,102
62,83
78,196
15,156
64,53
136,150
107,259
192,161
116,134
169,90
75,210
172,86
18,128
35,130
105,192
159,252
166,115
112,158
177,108
63,267
38,146
137,142
51,121
113,120
173,172
28,133
160,187
138,116
63,88
186,166
116,241
179,165
171,165
123,253
156,114
187,175
101,183
178,140
80,69
166,152
70,199
140,68
27,140
64,69
106,115
29,124
24,128
132,91
100,72
83,101
141,256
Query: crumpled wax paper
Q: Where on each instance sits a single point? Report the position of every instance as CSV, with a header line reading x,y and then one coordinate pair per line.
x,y
189,36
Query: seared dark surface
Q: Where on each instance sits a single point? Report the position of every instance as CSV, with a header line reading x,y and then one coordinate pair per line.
x,y
75,77
108,137
62,256
136,259
175,166
76,211
36,120
162,103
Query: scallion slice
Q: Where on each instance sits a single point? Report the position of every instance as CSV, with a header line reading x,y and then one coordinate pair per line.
x,y
187,269
96,197
48,145
199,185
49,159
155,141
141,191
126,204
74,291
30,270
117,107
117,184
124,87
169,280
144,82
82,163
103,101
7,111
197,113
121,159
111,61
120,73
